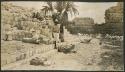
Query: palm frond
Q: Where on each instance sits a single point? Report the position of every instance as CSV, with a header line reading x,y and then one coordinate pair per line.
x,y
50,5
60,6
64,7
75,11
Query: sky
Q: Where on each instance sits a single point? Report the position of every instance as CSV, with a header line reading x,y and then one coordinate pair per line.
x,y
95,10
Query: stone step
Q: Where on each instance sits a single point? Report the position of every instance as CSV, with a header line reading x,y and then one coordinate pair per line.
x,y
48,54
31,51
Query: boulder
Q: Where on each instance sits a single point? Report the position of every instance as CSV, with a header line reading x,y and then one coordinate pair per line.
x,y
46,40
31,40
35,62
86,41
38,61
66,48
47,63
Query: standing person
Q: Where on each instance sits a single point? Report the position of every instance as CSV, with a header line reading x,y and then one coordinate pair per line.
x,y
55,34
55,29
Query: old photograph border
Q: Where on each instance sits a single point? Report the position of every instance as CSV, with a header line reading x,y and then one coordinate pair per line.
x,y
75,1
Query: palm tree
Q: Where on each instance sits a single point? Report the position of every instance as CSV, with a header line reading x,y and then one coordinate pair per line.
x,y
48,9
64,8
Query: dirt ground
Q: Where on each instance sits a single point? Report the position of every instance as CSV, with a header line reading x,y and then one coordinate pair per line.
x,y
87,58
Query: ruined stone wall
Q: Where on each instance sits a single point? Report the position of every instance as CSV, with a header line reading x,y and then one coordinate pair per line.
x,y
19,21
114,18
114,14
21,18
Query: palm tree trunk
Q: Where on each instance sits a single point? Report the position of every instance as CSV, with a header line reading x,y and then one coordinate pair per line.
x,y
61,35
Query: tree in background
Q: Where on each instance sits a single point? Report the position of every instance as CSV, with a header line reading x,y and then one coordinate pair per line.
x,y
63,8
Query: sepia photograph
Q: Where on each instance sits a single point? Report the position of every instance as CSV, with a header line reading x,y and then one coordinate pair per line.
x,y
62,35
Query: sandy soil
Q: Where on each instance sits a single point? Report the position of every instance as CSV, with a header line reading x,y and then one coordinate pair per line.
x,y
86,58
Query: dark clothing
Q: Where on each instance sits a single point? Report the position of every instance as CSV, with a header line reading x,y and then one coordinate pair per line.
x,y
55,18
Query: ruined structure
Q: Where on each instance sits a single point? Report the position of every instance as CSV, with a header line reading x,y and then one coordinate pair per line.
x,y
83,21
22,20
82,25
19,21
114,19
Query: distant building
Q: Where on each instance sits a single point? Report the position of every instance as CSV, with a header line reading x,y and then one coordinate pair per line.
x,y
83,21
82,25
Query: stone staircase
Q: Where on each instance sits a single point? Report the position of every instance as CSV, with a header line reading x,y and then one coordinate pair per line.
x,y
41,50
49,55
